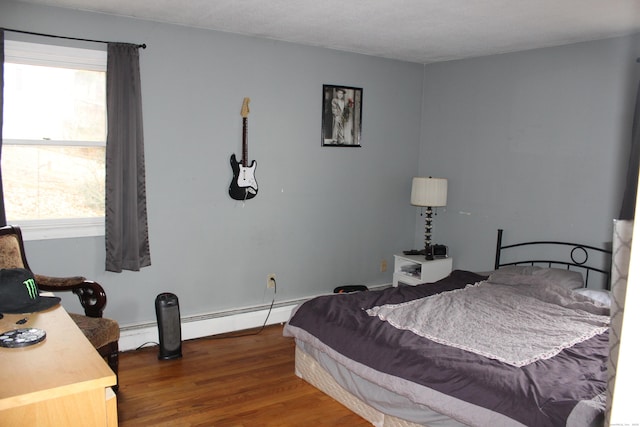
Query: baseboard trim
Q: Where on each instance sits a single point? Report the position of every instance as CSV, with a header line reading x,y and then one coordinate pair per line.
x,y
221,322
135,336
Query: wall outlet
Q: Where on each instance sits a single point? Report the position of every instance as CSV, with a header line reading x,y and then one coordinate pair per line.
x,y
383,266
271,281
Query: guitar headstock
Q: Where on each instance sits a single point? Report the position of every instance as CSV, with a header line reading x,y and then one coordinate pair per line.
x,y
244,112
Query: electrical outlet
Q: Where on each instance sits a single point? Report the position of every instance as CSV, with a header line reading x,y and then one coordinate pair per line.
x,y
271,281
383,266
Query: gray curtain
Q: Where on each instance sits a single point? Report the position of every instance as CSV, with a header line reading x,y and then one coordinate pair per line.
x,y
3,215
126,230
627,211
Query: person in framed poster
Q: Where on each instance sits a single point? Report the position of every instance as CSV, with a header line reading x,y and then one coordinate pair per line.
x,y
341,116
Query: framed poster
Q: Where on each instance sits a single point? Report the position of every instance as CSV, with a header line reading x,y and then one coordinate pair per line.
x,y
341,116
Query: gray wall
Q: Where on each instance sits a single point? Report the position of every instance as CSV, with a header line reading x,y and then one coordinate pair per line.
x,y
534,142
323,216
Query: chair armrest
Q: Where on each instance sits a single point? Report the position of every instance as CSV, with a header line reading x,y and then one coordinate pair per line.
x,y
91,294
52,284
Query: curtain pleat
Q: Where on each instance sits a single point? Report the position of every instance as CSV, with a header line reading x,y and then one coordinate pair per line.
x,y
627,210
3,214
126,229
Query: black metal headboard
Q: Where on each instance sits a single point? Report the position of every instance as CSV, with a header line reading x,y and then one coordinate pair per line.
x,y
580,258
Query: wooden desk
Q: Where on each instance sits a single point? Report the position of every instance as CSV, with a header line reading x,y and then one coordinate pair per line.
x,y
61,381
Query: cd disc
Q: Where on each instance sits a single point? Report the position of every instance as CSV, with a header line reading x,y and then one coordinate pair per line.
x,y
22,337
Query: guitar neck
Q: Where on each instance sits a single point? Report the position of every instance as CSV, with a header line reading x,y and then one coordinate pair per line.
x,y
245,145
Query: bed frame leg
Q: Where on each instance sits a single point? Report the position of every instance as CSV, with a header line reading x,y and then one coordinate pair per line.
x,y
498,248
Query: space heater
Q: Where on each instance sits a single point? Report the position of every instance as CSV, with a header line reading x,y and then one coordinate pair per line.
x,y
169,333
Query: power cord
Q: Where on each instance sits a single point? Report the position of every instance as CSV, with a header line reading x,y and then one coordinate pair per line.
x,y
273,300
154,343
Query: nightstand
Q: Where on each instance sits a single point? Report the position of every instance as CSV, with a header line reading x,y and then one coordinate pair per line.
x,y
414,269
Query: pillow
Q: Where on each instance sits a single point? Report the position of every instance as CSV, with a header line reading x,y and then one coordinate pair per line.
x,y
566,278
597,295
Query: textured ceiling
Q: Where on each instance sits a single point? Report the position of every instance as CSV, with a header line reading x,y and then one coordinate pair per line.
x,y
420,31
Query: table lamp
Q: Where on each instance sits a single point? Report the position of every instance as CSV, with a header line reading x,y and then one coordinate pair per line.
x,y
428,192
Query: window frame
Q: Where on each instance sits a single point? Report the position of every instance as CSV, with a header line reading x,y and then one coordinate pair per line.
x,y
32,53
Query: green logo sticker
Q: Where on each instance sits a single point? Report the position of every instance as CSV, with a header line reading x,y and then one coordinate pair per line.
x,y
31,287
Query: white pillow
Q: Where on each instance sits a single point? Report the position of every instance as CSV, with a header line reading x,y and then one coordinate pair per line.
x,y
598,295
568,279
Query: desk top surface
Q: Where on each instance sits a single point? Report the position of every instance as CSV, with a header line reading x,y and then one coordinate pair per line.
x,y
64,363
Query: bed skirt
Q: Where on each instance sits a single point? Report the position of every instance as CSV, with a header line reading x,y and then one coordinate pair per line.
x,y
311,371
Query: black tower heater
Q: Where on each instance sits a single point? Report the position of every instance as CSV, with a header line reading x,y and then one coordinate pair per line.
x,y
168,314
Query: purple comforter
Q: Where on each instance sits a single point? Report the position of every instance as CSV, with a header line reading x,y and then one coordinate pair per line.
x,y
543,393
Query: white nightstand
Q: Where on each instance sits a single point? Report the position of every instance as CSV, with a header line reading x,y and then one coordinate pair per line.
x,y
414,269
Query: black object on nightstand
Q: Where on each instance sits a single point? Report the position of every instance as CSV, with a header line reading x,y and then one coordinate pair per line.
x,y
414,252
345,289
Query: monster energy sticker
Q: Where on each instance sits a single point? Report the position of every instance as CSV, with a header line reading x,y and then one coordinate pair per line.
x,y
31,287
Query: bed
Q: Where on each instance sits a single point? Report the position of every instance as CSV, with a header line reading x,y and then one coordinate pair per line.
x,y
523,345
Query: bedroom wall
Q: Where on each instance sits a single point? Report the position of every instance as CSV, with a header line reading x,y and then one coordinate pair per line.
x,y
323,216
534,142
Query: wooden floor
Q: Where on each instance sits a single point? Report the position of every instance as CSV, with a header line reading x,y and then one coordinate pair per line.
x,y
247,381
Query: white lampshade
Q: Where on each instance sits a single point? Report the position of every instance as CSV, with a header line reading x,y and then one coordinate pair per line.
x,y
429,191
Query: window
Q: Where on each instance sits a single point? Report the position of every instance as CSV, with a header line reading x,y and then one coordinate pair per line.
x,y
54,138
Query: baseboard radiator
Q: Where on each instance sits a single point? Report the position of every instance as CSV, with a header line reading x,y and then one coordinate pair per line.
x,y
135,336
203,325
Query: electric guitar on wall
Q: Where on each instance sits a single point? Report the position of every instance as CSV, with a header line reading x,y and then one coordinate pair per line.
x,y
244,185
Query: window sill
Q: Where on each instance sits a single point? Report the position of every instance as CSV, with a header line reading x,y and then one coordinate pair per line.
x,y
61,229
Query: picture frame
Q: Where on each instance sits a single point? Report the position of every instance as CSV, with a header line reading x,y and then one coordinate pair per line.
x,y
341,116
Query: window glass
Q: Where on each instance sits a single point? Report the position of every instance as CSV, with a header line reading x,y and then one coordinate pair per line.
x,y
54,134
52,182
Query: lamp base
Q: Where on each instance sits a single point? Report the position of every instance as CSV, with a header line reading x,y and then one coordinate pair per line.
x,y
428,253
428,249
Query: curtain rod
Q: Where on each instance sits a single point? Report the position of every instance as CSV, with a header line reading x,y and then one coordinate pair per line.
x,y
143,46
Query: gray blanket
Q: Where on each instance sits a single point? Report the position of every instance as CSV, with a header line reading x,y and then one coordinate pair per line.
x,y
494,318
560,391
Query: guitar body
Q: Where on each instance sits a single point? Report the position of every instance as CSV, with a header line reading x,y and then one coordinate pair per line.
x,y
243,185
